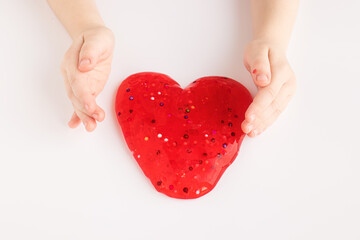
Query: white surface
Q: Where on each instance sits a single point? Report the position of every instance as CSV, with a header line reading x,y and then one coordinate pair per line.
x,y
299,180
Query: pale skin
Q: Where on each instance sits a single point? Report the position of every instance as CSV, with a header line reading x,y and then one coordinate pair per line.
x,y
265,59
86,65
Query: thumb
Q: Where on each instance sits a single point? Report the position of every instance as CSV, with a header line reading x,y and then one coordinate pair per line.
x,y
89,56
258,65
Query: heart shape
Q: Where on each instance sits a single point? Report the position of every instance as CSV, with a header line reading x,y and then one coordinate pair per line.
x,y
183,139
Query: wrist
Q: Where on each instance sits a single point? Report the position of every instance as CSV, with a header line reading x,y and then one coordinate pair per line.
x,y
270,43
97,31
86,27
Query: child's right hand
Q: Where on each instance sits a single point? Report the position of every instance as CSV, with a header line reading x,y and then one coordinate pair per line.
x,y
86,68
276,82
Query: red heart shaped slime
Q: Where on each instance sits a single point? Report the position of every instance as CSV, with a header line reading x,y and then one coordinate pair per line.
x,y
183,139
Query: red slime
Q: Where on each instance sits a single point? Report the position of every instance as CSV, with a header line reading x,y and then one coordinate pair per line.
x,y
183,139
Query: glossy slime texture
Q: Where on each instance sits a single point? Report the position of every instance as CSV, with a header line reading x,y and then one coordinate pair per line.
x,y
183,139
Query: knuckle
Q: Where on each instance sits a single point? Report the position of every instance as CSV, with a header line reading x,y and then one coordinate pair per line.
x,y
263,126
86,53
88,50
71,96
91,107
292,85
246,64
277,113
271,120
271,92
277,106
259,64
81,94
75,80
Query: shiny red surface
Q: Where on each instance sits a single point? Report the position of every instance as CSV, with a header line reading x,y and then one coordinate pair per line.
x,y
183,139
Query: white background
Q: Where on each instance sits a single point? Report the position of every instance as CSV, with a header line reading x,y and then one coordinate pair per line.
x,y
298,180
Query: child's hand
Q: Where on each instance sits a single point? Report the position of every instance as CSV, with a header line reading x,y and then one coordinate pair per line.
x,y
86,68
276,84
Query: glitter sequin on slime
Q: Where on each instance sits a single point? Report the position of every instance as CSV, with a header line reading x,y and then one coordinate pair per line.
x,y
183,139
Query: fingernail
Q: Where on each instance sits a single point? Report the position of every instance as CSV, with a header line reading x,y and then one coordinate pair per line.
x,y
95,116
255,132
85,124
249,127
261,78
84,62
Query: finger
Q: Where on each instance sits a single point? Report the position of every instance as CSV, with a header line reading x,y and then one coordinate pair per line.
x,y
270,119
253,134
90,54
88,57
97,113
84,91
246,126
89,123
74,121
261,101
254,130
266,95
75,83
77,103
277,106
83,94
257,112
258,64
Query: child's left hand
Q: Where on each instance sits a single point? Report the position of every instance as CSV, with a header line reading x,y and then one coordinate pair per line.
x,y
272,74
86,68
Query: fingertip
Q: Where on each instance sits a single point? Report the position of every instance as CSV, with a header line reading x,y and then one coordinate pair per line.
x,y
74,121
250,114
99,116
90,125
244,127
72,124
253,133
